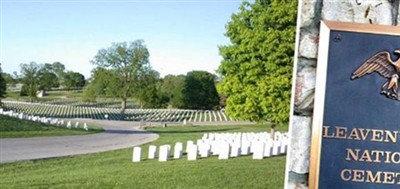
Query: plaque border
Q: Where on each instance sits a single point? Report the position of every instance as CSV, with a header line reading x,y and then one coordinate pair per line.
x,y
320,87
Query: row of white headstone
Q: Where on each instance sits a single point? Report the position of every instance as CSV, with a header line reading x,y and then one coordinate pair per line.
x,y
48,121
223,145
154,115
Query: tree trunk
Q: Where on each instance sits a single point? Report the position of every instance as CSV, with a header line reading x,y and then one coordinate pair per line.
x,y
272,132
123,106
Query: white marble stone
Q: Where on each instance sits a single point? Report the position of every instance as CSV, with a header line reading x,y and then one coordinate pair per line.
x,y
178,148
245,148
164,153
152,152
276,148
235,150
85,127
188,143
268,148
258,150
192,152
205,150
224,151
69,125
137,154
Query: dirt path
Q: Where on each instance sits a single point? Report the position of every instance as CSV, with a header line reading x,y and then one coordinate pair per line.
x,y
117,135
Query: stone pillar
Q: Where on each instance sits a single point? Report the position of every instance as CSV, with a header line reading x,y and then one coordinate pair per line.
x,y
382,12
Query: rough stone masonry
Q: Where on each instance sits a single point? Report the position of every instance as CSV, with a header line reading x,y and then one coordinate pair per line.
x,y
382,12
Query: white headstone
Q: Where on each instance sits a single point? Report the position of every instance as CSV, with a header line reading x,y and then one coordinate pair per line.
x,y
189,143
85,127
224,150
204,150
192,152
178,148
284,147
137,154
235,151
152,152
268,149
69,125
245,148
258,149
276,148
164,153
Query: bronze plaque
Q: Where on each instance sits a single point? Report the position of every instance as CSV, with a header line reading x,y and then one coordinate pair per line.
x,y
356,123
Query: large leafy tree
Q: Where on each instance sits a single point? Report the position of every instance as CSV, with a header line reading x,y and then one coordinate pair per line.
x,y
149,94
3,85
74,80
30,79
171,88
9,79
103,82
129,61
47,80
199,91
257,66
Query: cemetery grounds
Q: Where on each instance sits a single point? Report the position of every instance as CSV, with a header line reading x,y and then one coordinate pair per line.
x,y
114,169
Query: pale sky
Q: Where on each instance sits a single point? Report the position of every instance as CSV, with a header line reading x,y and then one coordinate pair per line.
x,y
180,35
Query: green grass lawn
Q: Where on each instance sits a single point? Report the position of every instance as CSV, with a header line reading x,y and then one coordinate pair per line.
x,y
115,170
14,128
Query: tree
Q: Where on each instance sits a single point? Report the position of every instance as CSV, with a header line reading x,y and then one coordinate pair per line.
x,y
129,60
74,80
149,93
172,89
47,80
30,79
199,91
257,66
3,86
104,82
9,79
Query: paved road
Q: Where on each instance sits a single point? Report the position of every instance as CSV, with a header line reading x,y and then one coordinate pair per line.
x,y
117,135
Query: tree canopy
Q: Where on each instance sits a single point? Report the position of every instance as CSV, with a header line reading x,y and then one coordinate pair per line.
x,y
3,85
199,91
172,89
257,66
47,80
30,79
73,80
130,61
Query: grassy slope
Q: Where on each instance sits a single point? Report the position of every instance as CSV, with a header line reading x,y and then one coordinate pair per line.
x,y
115,169
13,128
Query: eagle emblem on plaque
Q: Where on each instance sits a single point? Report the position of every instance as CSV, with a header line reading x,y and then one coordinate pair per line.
x,y
383,64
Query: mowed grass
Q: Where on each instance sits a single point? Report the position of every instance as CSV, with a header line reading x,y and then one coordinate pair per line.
x,y
15,128
115,170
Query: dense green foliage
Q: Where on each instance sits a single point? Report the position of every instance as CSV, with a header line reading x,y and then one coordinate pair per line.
x,y
51,76
73,80
30,79
3,85
171,88
257,66
199,91
9,79
149,95
114,169
47,80
12,128
129,61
